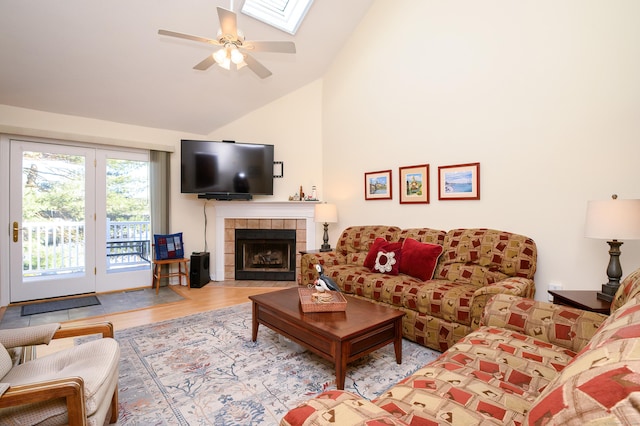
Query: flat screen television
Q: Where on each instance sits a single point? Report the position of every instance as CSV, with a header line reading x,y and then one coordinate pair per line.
x,y
226,170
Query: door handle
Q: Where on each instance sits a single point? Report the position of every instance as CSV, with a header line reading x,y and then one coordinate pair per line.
x,y
15,231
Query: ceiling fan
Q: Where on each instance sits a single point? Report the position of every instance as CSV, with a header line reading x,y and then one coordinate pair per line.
x,y
234,51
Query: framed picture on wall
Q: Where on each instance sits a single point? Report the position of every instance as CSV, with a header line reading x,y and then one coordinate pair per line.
x,y
377,185
459,182
414,184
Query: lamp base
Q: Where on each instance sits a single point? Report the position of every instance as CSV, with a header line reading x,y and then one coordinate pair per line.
x,y
614,272
603,295
325,247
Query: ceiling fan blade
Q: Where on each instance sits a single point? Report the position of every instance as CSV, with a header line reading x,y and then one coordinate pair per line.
x,y
255,66
189,37
270,46
228,23
205,64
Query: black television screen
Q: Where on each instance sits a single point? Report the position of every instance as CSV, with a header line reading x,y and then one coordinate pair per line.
x,y
217,167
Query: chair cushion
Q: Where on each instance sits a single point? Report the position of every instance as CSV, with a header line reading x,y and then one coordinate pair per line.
x,y
5,362
96,362
168,246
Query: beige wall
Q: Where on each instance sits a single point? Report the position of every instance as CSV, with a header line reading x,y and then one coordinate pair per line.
x,y
544,94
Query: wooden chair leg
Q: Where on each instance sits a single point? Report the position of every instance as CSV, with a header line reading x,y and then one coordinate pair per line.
x,y
156,277
114,407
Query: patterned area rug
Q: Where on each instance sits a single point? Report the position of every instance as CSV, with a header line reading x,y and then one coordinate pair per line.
x,y
205,370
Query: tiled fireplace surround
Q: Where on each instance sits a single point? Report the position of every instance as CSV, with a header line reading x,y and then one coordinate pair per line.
x,y
231,215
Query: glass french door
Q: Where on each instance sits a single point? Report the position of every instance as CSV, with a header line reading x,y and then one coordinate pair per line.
x,y
51,207
80,220
124,215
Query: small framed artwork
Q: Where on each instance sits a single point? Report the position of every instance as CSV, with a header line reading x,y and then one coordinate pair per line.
x,y
377,185
459,182
414,184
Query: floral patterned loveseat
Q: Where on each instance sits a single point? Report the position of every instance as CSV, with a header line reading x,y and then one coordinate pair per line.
x,y
531,363
445,303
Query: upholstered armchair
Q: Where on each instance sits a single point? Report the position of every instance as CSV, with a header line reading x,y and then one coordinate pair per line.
x,y
74,386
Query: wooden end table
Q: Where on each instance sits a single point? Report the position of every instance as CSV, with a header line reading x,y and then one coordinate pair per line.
x,y
582,299
339,337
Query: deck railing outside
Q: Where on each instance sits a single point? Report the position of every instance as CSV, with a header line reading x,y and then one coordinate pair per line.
x,y
54,248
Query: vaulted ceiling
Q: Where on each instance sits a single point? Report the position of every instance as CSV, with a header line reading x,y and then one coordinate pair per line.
x,y
105,60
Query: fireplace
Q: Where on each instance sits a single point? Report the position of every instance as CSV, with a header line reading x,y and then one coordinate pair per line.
x,y
259,215
265,254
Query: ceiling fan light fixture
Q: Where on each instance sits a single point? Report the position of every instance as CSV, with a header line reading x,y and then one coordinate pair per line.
x,y
236,56
221,56
226,64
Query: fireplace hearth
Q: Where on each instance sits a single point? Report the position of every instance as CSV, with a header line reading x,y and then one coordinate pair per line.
x,y
265,254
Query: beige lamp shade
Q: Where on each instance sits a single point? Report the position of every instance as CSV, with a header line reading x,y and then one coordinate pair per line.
x,y
613,219
325,213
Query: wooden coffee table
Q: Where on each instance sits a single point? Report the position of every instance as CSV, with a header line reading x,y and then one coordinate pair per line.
x,y
340,337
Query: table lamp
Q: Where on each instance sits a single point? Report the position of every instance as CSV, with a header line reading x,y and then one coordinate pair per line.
x,y
613,220
326,214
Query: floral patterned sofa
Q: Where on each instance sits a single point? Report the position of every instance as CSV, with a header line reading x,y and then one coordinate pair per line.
x,y
531,363
442,295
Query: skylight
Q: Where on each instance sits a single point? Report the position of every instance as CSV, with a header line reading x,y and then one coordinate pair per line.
x,y
285,15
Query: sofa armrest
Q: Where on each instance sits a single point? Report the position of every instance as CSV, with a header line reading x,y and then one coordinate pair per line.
x,y
567,327
515,286
309,260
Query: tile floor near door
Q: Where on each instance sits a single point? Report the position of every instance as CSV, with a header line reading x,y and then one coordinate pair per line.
x,y
109,303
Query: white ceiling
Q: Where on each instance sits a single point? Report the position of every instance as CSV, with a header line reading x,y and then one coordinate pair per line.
x,y
104,59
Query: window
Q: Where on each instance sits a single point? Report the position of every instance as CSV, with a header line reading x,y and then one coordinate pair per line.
x,y
285,15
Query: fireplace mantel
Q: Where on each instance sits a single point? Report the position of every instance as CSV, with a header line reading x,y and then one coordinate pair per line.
x,y
259,210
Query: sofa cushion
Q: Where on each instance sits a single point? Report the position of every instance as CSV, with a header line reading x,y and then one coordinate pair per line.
x,y
441,299
484,256
424,235
491,375
418,259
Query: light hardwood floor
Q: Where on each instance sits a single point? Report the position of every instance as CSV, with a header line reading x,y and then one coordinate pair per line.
x,y
195,300
209,297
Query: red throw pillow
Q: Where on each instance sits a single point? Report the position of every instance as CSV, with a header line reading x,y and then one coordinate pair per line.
x,y
370,260
388,259
419,260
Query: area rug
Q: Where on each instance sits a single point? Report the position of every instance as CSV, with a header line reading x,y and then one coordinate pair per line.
x,y
205,370
59,305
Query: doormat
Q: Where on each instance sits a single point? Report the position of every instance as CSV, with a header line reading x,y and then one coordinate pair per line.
x,y
59,305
